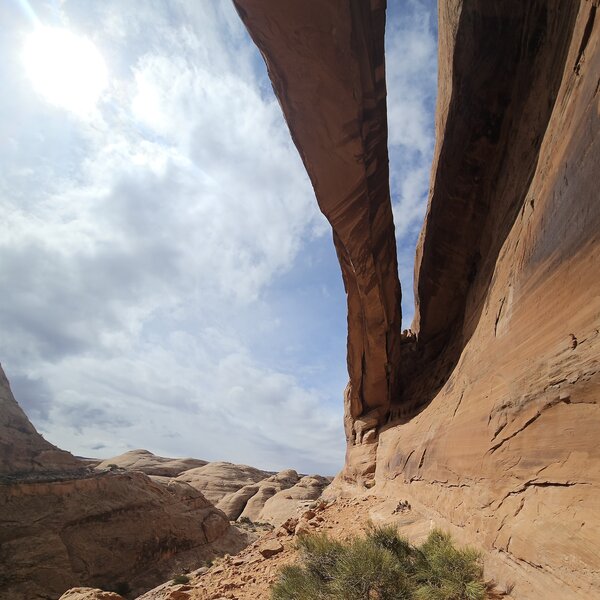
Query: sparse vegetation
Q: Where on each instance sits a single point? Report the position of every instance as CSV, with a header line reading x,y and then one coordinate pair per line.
x,y
382,566
180,579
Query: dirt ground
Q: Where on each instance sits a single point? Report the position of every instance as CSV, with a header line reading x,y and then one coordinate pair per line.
x,y
250,574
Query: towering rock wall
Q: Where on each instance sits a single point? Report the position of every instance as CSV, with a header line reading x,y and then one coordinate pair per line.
x,y
326,63
489,420
499,419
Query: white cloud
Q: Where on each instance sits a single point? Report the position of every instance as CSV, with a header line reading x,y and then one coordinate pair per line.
x,y
184,200
411,80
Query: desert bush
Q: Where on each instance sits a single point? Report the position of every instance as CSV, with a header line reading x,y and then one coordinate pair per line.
x,y
180,579
381,566
448,573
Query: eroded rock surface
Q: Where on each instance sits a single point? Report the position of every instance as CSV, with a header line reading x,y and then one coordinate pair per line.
x,y
89,594
486,417
219,479
146,462
104,530
63,524
239,491
501,413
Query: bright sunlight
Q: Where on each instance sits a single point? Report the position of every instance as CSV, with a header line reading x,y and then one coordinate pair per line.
x,y
66,69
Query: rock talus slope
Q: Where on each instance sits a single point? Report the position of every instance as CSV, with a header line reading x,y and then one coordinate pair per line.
x,y
488,419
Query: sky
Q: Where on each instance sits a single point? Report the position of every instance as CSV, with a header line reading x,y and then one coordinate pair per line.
x,y
168,281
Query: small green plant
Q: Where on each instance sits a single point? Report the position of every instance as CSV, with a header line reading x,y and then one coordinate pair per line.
x,y
180,579
113,467
245,521
381,566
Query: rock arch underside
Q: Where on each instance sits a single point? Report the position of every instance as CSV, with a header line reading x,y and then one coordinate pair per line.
x,y
488,419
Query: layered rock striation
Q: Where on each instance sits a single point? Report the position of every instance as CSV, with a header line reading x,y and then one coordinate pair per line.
x,y
487,418
112,531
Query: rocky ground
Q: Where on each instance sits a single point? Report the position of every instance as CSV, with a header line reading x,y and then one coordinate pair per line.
x,y
250,574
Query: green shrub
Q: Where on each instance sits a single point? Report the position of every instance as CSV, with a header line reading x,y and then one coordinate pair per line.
x,y
296,583
365,570
180,579
381,566
447,573
320,555
387,537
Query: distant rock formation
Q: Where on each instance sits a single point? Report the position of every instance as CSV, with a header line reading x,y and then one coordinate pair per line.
x,y
287,503
487,414
240,491
218,479
146,462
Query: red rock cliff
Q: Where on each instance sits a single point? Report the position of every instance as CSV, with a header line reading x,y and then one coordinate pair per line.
x,y
326,63
489,421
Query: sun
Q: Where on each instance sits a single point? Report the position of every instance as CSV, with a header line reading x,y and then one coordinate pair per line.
x,y
66,69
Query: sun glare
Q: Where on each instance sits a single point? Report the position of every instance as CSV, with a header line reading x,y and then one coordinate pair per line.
x,y
66,69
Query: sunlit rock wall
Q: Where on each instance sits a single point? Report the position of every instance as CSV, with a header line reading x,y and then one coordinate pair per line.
x,y
489,418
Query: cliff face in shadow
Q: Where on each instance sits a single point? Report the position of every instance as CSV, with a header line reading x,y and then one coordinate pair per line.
x,y
489,418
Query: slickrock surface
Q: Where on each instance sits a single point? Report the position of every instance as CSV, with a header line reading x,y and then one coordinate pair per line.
x,y
23,451
488,416
237,490
104,530
89,594
146,462
218,479
285,504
